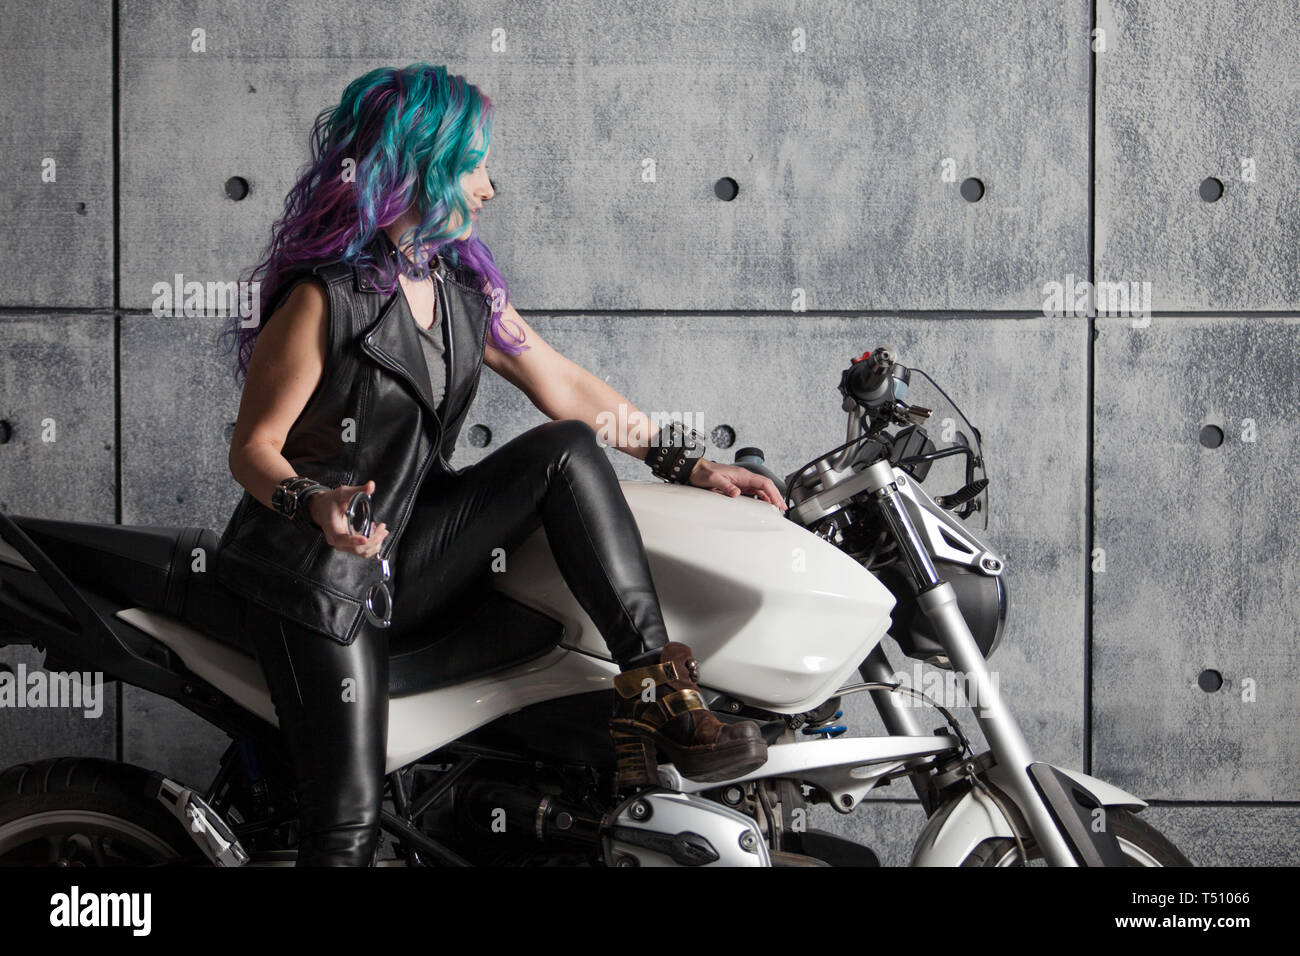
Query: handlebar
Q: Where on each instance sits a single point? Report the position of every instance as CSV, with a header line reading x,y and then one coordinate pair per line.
x,y
878,384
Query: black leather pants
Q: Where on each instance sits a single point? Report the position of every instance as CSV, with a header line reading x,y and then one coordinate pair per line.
x,y
332,700
332,703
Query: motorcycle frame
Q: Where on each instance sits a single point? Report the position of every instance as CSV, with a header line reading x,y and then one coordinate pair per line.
x,y
1037,790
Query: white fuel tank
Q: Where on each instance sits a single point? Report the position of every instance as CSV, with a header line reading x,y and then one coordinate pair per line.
x,y
775,615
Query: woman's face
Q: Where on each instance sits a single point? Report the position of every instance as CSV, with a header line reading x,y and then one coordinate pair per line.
x,y
477,189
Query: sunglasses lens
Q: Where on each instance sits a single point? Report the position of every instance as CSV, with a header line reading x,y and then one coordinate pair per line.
x,y
359,514
379,606
379,600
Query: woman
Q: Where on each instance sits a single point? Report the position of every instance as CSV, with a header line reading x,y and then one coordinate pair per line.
x,y
383,304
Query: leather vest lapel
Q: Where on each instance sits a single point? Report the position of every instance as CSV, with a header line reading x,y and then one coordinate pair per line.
x,y
468,312
393,342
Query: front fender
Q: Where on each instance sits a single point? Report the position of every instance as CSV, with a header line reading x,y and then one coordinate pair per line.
x,y
961,824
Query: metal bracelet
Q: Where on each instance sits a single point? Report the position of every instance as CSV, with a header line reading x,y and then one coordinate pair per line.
x,y
668,455
287,498
303,513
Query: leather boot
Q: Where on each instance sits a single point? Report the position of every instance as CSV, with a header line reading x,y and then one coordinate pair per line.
x,y
674,719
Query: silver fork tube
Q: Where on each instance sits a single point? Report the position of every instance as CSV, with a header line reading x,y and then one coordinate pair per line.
x,y
939,603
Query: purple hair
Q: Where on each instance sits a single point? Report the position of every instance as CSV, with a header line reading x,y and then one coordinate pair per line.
x,y
399,139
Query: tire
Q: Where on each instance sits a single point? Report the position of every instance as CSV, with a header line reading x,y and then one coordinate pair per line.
x,y
1141,843
84,811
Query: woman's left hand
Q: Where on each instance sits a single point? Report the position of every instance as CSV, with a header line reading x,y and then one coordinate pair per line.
x,y
735,480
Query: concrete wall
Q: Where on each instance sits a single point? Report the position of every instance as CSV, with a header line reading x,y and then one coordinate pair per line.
x,y
1143,565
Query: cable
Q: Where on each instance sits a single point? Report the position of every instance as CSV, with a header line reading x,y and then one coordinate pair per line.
x,y
1011,824
774,831
967,751
947,714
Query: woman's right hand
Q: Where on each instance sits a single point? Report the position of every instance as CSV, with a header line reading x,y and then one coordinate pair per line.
x,y
329,511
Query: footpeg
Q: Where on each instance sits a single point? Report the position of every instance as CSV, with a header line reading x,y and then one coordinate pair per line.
x,y
204,825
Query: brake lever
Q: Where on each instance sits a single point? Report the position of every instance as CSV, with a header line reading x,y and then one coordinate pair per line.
x,y
910,414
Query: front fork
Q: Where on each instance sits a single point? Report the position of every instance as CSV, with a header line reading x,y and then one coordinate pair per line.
x,y
938,602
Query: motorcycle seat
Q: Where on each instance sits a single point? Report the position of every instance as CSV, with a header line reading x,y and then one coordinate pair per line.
x,y
144,566
154,568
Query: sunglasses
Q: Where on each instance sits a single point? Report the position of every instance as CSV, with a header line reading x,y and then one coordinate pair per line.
x,y
379,595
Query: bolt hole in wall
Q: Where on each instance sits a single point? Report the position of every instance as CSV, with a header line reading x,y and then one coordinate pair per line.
x,y
236,188
1211,436
1210,681
726,189
1211,189
6,431
972,189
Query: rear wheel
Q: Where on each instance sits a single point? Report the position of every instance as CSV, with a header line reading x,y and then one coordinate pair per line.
x,y
1141,844
84,811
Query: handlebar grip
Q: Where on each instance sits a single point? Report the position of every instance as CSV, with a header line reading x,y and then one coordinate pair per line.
x,y
959,498
868,377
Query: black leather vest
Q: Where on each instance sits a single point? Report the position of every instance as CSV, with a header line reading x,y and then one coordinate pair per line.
x,y
371,417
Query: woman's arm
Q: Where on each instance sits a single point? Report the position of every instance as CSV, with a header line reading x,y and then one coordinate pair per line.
x,y
287,363
561,388
286,366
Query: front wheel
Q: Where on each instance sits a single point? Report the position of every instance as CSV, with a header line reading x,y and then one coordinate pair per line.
x,y
1141,844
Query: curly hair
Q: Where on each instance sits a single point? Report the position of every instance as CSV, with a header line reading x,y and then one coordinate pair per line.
x,y
398,139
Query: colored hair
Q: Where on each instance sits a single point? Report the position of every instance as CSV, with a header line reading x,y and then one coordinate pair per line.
x,y
398,139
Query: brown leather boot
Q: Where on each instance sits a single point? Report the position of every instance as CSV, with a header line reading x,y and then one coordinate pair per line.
x,y
675,720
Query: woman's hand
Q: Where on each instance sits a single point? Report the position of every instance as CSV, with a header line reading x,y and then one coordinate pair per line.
x,y
733,481
330,511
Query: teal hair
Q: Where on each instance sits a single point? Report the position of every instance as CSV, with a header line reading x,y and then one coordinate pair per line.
x,y
398,139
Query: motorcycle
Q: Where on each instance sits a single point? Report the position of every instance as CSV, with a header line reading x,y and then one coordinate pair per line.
x,y
498,748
